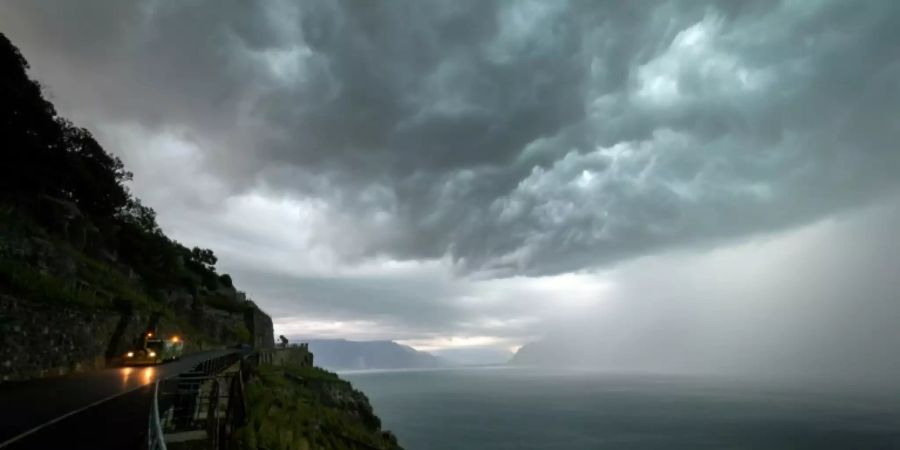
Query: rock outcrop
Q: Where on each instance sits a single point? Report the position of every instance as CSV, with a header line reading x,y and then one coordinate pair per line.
x,y
84,267
301,407
68,304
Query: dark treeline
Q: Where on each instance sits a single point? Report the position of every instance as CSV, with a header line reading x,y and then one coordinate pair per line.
x,y
45,156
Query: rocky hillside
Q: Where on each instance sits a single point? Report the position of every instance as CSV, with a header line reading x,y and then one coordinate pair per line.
x,y
84,267
301,408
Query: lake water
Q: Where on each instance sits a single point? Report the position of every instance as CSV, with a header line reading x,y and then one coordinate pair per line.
x,y
506,408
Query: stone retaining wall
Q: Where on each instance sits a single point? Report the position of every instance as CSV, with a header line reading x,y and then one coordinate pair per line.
x,y
41,340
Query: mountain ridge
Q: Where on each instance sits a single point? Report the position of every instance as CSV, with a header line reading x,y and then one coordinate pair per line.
x,y
344,354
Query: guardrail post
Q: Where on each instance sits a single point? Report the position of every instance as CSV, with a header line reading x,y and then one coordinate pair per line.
x,y
155,438
212,419
186,400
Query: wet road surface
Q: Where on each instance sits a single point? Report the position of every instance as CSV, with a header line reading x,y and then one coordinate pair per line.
x,y
102,409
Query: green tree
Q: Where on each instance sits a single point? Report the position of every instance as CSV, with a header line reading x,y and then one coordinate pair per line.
x,y
96,179
204,257
143,217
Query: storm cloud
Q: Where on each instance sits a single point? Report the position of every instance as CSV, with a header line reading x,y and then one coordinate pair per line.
x,y
515,137
452,142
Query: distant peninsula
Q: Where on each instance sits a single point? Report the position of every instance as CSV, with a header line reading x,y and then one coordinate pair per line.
x,y
341,354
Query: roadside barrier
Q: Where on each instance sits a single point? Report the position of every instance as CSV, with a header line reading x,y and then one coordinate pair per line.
x,y
204,404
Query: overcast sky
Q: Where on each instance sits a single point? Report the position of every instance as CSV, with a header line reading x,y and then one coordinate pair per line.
x,y
476,173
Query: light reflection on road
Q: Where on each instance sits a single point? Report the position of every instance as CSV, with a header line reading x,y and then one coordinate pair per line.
x,y
42,400
126,373
132,377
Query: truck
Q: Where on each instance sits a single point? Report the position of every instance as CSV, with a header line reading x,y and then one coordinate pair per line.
x,y
154,350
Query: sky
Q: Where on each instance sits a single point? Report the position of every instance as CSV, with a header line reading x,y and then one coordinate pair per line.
x,y
483,174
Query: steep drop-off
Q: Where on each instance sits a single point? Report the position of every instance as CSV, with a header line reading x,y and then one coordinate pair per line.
x,y
85,270
293,407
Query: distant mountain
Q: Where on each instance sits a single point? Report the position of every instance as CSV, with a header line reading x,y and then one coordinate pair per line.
x,y
340,354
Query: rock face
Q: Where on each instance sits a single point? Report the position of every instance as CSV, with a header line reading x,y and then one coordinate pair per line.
x,y
38,339
260,326
65,322
41,340
84,267
301,407
294,356
67,304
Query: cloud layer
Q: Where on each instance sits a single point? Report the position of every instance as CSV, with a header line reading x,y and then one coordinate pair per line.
x,y
513,137
361,165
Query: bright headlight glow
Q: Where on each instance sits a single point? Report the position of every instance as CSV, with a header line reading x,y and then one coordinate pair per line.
x,y
129,354
152,354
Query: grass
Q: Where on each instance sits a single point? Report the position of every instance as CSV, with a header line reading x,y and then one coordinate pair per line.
x,y
101,275
305,407
33,284
20,276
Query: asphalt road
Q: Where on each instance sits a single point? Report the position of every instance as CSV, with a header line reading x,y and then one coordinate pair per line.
x,y
75,411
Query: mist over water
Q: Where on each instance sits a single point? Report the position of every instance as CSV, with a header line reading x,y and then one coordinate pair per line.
x,y
568,409
819,304
784,341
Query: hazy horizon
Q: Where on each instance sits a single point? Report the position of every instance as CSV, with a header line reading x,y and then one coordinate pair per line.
x,y
705,186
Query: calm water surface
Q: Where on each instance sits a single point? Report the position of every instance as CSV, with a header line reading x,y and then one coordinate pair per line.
x,y
505,408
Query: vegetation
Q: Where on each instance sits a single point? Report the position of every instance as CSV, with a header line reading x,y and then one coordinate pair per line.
x,y
47,160
31,283
71,233
307,407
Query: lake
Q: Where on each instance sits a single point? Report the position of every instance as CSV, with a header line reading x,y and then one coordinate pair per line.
x,y
510,408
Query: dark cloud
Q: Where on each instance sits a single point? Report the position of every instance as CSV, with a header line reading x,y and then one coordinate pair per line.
x,y
513,137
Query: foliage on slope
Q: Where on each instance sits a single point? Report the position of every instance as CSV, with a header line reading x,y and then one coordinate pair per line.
x,y
64,198
293,408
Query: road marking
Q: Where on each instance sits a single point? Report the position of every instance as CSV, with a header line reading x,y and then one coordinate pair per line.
x,y
65,416
72,413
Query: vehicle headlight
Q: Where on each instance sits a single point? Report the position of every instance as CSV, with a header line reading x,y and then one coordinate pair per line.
x,y
152,354
130,354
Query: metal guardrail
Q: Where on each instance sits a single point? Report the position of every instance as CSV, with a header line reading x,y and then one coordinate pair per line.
x,y
201,404
155,437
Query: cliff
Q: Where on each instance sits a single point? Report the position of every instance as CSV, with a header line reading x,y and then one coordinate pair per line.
x,y
85,270
62,309
84,267
292,405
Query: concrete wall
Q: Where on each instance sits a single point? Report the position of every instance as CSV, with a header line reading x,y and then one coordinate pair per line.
x,y
298,355
260,326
